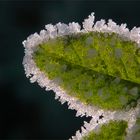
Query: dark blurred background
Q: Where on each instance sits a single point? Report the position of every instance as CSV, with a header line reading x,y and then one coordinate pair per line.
x,y
26,110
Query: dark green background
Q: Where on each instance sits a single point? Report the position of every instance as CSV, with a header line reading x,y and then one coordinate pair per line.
x,y
26,110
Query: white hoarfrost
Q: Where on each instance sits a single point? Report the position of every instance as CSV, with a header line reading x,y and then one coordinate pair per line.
x,y
89,22
35,75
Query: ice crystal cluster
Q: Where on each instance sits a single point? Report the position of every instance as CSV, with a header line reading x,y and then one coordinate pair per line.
x,y
95,69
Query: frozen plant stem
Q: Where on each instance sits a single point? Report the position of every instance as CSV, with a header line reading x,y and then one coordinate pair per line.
x,y
94,69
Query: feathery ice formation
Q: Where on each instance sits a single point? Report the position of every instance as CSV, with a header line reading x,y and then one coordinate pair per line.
x,y
95,70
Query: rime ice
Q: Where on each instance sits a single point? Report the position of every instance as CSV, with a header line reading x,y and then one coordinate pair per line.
x,y
89,25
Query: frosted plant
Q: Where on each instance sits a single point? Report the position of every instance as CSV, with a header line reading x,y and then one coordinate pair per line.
x,y
95,69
